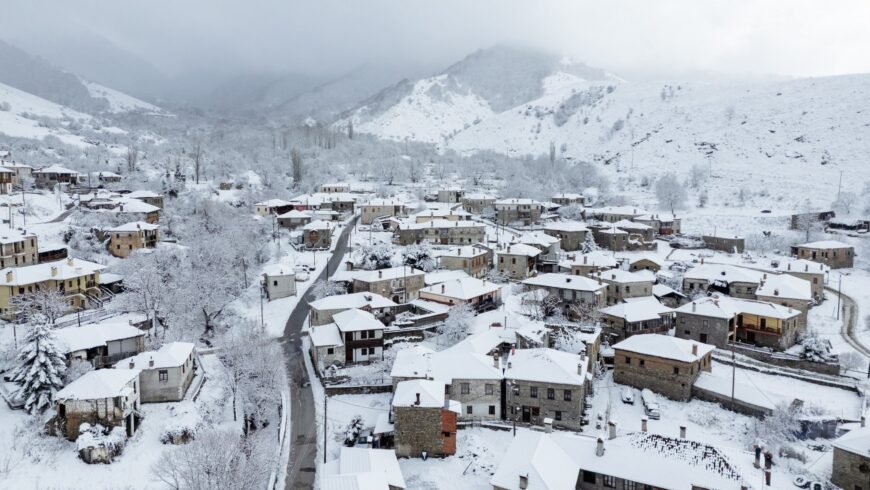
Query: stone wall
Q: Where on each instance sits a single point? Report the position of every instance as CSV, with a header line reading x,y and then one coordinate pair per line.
x,y
171,390
418,429
657,374
518,395
846,472
704,329
786,360
477,399
725,244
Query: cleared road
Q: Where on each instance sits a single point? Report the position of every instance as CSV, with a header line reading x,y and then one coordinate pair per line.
x,y
303,433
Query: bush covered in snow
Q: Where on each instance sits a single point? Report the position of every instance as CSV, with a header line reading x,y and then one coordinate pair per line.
x,y
98,444
420,257
816,349
353,430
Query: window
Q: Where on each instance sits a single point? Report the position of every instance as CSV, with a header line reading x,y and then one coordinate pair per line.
x,y
558,415
488,389
567,395
536,411
330,350
609,481
364,334
163,375
533,391
492,409
589,476
676,370
465,388
642,363
551,394
469,410
274,283
629,485
627,360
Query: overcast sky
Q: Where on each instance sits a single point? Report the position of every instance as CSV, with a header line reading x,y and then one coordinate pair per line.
x,y
733,37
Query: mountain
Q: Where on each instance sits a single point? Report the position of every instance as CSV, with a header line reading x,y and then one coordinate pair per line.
x,y
789,134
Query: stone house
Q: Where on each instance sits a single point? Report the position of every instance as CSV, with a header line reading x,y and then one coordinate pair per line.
x,y
478,203
322,310
571,234
517,260
450,195
442,214
333,187
279,281
549,246
48,177
129,237
518,210
480,294
317,235
355,333
622,284
576,339
18,248
737,282
636,316
442,232
293,219
643,263
787,290
661,225
473,260
570,290
586,264
813,272
834,254
272,206
636,231
851,467
108,177
612,214
164,374
102,344
381,208
109,397
567,199
610,238
21,172
716,319
425,420
78,280
147,197
545,384
400,284
7,179
664,364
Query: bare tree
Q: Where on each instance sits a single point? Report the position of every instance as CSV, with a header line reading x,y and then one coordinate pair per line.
x,y
297,164
45,305
196,155
350,129
670,193
845,203
132,158
808,220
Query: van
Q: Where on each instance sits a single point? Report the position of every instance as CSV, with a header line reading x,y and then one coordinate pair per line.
x,y
650,405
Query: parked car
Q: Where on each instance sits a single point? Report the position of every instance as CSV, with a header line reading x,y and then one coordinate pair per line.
x,y
650,404
627,396
302,276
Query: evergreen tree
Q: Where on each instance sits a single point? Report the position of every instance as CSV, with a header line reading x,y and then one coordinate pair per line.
x,y
41,370
589,244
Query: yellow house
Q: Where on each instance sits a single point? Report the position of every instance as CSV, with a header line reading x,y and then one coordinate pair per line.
x,y
77,279
17,248
125,239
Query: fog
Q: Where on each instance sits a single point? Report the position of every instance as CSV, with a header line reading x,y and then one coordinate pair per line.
x,y
186,43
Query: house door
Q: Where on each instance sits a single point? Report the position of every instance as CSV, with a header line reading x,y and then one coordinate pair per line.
x,y
763,323
750,337
814,255
130,425
527,416
703,338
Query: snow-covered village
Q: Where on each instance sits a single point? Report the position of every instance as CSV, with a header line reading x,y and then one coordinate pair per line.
x,y
435,245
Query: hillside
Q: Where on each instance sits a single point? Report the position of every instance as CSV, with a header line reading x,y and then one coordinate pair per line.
x,y
119,102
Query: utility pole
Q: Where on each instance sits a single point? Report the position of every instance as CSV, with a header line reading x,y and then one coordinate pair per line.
x,y
840,186
839,294
262,319
23,205
733,366
325,399
245,272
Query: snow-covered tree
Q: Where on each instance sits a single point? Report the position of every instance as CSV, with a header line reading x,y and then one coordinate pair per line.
x,y
41,369
420,257
353,430
539,304
456,325
572,212
808,220
589,244
322,289
670,192
847,202
45,305
374,256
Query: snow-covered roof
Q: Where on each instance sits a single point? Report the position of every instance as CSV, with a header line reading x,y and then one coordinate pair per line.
x,y
441,223
567,195
479,343
727,307
462,289
566,226
378,275
356,320
725,273
55,169
384,202
825,244
613,231
31,274
555,460
479,196
546,366
441,212
367,461
625,224
73,339
665,347
279,270
648,308
133,226
564,281
317,225
624,210
129,205
625,277
855,441
350,301
359,481
143,194
103,383
465,252
517,201
273,203
660,290
635,258
9,235
295,214
786,286
325,335
520,249
431,394
538,239
592,259
437,277
173,354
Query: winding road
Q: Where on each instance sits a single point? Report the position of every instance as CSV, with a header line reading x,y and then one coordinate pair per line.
x,y
850,319
303,433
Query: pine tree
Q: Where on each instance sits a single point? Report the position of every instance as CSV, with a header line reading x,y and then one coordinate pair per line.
x,y
41,370
589,244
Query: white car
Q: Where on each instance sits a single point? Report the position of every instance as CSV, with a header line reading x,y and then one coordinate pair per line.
x,y
302,276
627,396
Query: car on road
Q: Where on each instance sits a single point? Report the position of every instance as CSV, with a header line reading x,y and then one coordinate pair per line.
x,y
627,396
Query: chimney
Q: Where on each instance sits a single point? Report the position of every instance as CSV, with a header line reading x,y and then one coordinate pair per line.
x,y
132,364
418,400
9,276
764,276
643,422
702,260
69,261
776,292
151,362
524,482
53,271
788,266
495,362
694,349
509,249
757,449
380,274
682,432
863,421
599,448
442,289
611,430
694,307
548,425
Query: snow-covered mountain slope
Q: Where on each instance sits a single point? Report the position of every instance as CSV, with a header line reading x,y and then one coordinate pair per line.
x,y
24,115
119,102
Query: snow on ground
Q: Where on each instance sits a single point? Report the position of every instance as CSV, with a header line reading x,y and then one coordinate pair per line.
x,y
118,101
478,453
